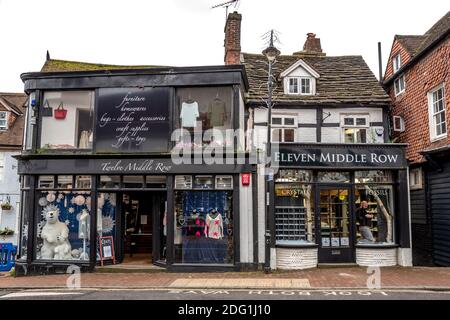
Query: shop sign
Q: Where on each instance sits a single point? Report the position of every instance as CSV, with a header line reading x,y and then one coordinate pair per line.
x,y
133,120
340,156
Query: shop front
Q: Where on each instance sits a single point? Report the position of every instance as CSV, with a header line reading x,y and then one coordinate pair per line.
x,y
119,169
340,204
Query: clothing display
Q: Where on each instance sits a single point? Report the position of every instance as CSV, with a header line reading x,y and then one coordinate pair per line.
x,y
214,225
217,113
189,114
84,140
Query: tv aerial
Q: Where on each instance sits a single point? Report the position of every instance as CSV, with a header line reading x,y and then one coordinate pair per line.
x,y
226,5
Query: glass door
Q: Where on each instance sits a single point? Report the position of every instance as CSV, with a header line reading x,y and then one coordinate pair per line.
x,y
335,225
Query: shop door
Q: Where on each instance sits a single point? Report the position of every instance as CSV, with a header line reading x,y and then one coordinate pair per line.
x,y
335,225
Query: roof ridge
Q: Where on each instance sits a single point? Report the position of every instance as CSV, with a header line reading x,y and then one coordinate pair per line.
x,y
306,56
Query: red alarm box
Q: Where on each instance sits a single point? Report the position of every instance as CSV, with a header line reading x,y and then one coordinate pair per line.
x,y
245,179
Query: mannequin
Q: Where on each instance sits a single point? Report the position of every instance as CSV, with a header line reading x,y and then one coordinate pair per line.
x,y
83,232
214,225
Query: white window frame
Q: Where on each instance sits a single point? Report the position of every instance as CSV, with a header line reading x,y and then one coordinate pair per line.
x,y
355,125
299,86
416,184
4,127
399,123
397,92
431,114
283,126
396,63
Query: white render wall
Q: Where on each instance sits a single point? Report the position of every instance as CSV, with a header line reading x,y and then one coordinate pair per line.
x,y
246,222
9,185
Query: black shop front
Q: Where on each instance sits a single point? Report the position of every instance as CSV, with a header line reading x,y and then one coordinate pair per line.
x,y
107,177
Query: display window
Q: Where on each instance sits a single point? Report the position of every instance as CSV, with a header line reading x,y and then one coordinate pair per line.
x,y
63,230
24,222
106,216
205,109
294,208
374,207
203,222
67,120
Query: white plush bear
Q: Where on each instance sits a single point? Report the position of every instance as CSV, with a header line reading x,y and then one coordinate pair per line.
x,y
55,235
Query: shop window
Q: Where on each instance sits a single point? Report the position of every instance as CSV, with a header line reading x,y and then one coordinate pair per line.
x,y
294,213
67,120
373,176
133,181
110,182
334,177
65,182
155,182
83,182
24,222
203,227
63,230
224,182
416,179
374,214
203,182
204,109
106,216
355,128
289,175
183,182
46,182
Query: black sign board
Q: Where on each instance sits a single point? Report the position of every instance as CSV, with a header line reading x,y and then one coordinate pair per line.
x,y
133,120
340,156
106,248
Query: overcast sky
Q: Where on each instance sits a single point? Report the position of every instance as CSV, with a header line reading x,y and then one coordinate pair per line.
x,y
188,32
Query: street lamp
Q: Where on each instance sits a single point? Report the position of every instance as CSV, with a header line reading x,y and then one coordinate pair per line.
x,y
271,53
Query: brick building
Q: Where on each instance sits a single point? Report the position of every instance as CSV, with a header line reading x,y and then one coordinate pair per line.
x,y
417,80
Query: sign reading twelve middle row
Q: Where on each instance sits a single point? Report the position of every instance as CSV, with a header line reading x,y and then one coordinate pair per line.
x,y
133,120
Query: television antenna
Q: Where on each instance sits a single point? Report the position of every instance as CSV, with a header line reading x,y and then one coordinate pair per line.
x,y
226,5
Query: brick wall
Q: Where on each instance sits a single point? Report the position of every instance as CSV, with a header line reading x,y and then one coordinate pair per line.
x,y
404,57
233,39
431,71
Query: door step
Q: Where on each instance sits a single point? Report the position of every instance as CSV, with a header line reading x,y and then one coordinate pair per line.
x,y
337,265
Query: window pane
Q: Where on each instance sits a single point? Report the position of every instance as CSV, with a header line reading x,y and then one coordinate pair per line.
x,y
289,135
46,182
203,182
65,182
24,218
2,115
63,229
106,215
155,181
83,182
183,182
67,120
133,181
373,176
110,182
294,213
203,227
289,121
374,216
276,121
361,135
349,121
286,175
361,121
341,177
224,182
306,86
276,135
349,135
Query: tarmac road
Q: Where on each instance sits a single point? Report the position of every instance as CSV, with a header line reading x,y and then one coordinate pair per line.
x,y
217,294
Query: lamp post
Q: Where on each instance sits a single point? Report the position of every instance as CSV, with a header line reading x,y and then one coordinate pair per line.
x,y
271,53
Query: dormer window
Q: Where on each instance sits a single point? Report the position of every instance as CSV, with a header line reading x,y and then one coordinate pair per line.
x,y
300,85
300,79
396,63
3,120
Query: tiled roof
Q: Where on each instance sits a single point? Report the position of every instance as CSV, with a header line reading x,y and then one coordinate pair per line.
x,y
54,65
411,43
13,137
343,79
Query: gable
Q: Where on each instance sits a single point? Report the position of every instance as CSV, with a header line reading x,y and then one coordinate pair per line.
x,y
397,48
300,69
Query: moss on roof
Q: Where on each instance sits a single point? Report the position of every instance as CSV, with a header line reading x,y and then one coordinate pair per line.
x,y
54,65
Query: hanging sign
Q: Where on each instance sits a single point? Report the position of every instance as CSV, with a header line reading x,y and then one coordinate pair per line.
x,y
106,248
133,120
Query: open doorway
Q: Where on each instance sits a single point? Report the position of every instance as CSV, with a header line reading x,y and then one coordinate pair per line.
x,y
144,227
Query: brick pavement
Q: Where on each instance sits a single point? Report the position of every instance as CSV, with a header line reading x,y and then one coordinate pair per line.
x,y
395,277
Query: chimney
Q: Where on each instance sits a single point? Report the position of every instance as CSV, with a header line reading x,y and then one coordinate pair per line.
x,y
312,46
233,39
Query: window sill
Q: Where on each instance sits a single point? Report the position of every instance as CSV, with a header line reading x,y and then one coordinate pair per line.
x,y
438,138
376,245
294,244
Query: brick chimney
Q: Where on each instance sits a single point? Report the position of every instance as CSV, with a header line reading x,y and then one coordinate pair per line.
x,y
233,39
312,46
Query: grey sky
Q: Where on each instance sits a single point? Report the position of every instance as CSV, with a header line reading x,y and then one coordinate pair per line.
x,y
188,32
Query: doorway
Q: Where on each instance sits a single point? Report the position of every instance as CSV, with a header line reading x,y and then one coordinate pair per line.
x,y
143,227
335,228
